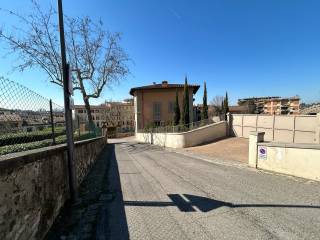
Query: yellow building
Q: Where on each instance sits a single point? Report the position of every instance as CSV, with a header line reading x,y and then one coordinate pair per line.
x,y
154,104
117,115
120,115
272,105
281,106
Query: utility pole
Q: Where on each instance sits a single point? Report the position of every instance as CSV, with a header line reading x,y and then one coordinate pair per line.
x,y
67,110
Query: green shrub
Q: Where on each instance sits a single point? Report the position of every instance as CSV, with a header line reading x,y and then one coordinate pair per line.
x,y
39,144
26,137
24,147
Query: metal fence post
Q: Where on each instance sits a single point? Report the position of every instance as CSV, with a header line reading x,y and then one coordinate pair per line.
x,y
52,124
78,118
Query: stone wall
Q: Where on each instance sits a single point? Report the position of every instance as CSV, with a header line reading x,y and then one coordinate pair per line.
x,y
34,186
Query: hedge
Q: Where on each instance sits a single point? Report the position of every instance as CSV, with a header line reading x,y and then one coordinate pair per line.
x,y
39,144
27,137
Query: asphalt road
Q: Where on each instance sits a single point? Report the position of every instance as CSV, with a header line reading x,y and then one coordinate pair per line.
x,y
160,194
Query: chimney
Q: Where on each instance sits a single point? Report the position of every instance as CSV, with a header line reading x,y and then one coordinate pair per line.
x,y
164,83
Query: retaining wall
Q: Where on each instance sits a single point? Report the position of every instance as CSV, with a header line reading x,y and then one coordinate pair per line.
x,y
296,159
191,138
34,186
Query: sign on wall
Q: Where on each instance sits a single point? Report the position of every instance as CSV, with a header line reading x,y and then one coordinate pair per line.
x,y
262,153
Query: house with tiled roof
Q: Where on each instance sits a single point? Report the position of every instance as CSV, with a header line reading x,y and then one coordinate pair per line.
x,y
154,104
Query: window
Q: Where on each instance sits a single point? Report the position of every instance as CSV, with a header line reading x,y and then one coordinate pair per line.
x,y
171,107
156,111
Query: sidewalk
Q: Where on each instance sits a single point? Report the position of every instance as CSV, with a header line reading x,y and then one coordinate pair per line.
x,y
79,221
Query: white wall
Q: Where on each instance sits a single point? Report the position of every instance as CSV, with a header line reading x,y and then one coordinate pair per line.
x,y
301,160
186,139
278,128
294,160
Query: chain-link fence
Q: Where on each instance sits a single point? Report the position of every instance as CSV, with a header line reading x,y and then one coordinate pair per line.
x,y
84,130
29,121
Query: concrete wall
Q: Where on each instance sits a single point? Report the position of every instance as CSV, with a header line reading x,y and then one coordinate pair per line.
x,y
278,128
34,186
186,139
301,160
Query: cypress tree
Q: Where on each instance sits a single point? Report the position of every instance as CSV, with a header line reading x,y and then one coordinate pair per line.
x,y
222,107
226,105
204,114
185,114
176,110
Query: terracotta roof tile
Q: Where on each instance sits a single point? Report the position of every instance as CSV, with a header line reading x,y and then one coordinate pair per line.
x,y
161,86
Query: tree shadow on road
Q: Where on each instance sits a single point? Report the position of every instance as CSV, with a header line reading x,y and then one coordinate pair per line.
x,y
190,203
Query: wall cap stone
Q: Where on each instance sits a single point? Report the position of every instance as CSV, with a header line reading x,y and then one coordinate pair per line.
x,y
290,145
254,133
194,130
14,160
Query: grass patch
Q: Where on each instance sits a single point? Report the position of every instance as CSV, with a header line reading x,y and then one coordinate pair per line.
x,y
27,137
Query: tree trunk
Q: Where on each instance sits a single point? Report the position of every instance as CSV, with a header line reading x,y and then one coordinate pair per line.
x,y
88,109
86,103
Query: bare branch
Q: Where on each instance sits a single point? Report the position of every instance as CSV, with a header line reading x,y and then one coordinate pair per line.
x,y
94,54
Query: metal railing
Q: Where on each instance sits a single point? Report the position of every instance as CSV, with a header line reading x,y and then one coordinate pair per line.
x,y
177,128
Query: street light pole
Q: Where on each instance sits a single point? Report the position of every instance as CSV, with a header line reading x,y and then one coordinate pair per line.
x,y
67,109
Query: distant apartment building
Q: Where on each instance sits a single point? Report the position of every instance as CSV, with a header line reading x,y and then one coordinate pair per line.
x,y
154,104
98,113
117,115
270,105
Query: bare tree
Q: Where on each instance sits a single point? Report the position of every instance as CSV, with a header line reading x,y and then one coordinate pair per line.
x,y
95,55
216,104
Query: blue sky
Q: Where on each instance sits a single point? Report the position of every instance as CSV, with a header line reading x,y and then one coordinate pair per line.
x,y
248,47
